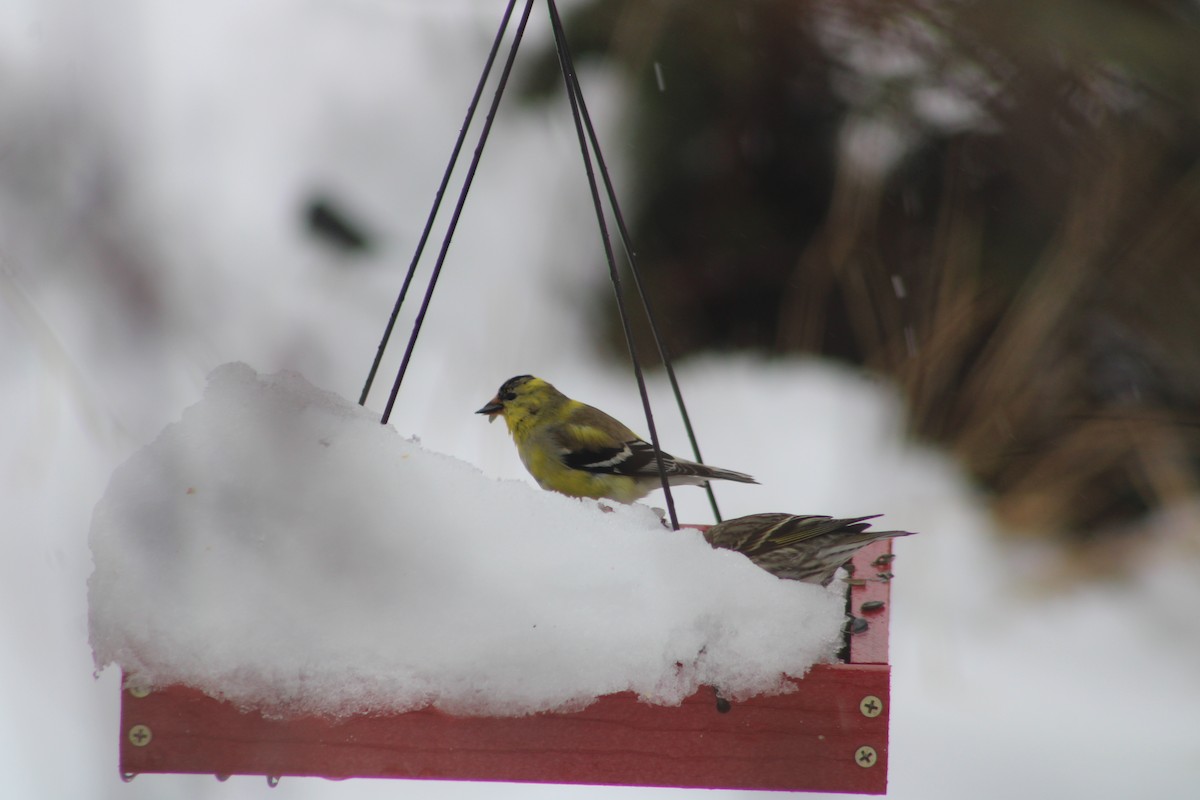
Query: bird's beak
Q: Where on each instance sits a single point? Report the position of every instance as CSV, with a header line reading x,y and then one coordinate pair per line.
x,y
493,409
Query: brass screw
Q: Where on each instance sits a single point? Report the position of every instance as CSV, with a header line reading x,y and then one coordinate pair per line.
x,y
870,706
140,735
139,692
865,756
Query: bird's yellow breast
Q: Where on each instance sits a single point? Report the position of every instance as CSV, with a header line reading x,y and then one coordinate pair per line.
x,y
546,466
577,483
540,422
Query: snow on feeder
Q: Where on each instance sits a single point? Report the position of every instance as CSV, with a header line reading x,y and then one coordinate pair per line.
x,y
291,588
830,734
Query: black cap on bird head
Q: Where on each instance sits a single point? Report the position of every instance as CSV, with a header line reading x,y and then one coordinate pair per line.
x,y
495,406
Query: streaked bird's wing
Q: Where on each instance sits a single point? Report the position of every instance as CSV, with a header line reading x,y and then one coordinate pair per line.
x,y
802,528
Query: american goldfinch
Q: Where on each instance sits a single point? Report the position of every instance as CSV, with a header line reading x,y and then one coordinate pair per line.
x,y
580,451
799,548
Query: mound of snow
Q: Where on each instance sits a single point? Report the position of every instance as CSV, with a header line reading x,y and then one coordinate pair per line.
x,y
280,548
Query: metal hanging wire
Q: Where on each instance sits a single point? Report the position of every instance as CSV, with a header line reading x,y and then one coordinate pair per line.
x,y
589,146
572,82
560,39
437,200
462,199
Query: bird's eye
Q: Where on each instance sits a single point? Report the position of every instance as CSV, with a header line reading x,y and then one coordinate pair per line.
x,y
506,396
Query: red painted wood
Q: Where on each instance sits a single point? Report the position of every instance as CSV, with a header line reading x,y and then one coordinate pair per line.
x,y
871,582
808,740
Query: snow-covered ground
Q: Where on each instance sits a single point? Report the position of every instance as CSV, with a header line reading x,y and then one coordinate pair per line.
x,y
154,157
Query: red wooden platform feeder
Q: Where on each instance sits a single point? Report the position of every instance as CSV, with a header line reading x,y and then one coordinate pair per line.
x,y
830,734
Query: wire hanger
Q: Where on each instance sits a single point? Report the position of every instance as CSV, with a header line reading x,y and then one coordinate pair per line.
x,y
589,146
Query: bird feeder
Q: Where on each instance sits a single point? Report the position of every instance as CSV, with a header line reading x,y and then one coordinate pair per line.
x,y
828,735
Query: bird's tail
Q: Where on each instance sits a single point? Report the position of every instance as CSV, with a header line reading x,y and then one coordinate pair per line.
x,y
703,472
842,544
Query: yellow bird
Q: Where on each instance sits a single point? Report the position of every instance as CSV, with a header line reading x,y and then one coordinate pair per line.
x,y
580,451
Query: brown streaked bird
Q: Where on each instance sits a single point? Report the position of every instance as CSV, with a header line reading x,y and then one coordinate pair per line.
x,y
797,547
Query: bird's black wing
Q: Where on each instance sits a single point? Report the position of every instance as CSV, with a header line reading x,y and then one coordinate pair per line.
x,y
635,459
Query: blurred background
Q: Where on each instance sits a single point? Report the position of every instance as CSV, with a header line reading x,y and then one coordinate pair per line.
x,y
932,259
996,205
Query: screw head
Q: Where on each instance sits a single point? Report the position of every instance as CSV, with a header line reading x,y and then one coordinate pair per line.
x,y
140,735
138,691
866,756
870,706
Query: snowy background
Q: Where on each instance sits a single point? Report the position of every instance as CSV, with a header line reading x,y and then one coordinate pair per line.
x,y
155,158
